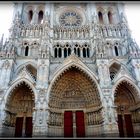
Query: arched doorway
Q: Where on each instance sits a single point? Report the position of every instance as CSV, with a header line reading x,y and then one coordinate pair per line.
x,y
75,106
125,101
18,111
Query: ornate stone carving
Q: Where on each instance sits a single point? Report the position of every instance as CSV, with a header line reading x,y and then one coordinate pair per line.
x,y
70,18
66,77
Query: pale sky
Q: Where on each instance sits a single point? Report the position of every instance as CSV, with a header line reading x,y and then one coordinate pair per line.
x,y
132,12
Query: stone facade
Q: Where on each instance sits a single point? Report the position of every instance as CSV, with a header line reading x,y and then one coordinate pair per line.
x,y
69,57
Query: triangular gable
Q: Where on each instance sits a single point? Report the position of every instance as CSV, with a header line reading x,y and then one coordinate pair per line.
x,y
23,74
73,60
123,73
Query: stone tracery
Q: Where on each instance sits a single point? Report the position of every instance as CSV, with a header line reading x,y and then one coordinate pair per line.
x,y
70,19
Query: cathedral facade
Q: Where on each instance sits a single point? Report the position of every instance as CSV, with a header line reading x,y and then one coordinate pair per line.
x,y
69,70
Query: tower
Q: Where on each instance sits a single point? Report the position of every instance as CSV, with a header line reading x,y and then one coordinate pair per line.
x,y
69,70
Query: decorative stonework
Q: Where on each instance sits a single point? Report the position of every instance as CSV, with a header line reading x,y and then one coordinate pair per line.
x,y
69,57
70,19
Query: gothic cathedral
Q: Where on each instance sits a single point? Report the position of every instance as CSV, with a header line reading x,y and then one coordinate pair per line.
x,y
69,70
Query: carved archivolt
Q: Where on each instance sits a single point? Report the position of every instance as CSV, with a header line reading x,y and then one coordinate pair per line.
x,y
72,90
20,103
125,96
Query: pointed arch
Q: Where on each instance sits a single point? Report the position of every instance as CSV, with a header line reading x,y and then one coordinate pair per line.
x,y
78,52
110,17
100,16
24,65
114,61
67,85
40,16
32,71
69,51
19,102
114,69
84,52
55,53
16,84
131,82
73,87
60,52
116,50
88,53
80,67
26,51
65,52
30,15
126,98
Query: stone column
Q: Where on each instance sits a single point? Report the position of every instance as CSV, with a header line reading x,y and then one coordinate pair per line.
x,y
47,114
105,17
62,52
39,116
35,16
81,52
110,126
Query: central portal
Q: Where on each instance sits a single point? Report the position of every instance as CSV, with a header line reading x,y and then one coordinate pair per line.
x,y
74,125
74,96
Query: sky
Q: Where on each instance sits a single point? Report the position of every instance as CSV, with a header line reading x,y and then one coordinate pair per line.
x,y
132,11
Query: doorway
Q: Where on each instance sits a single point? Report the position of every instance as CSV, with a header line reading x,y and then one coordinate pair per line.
x,y
124,100
125,125
20,105
23,127
72,119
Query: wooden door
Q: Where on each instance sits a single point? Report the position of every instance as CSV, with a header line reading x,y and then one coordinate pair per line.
x,y
120,126
80,125
28,127
19,127
128,125
68,124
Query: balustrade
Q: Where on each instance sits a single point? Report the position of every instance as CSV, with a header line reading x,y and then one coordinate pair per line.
x,y
71,33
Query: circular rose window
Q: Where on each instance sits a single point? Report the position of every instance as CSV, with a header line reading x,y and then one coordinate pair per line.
x,y
70,19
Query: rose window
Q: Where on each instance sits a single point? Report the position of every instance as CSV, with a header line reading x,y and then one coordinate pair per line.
x,y
70,19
